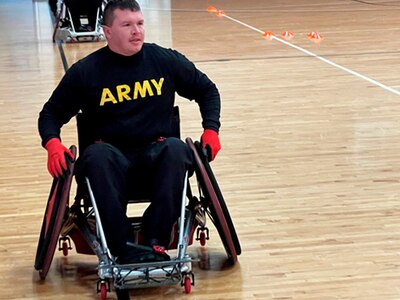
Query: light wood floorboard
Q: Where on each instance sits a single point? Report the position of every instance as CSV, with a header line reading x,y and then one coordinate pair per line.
x,y
310,161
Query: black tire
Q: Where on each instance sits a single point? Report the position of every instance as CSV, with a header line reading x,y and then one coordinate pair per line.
x,y
53,219
122,294
220,197
212,205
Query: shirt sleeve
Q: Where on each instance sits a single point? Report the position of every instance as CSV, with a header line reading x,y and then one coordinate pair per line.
x,y
193,84
61,107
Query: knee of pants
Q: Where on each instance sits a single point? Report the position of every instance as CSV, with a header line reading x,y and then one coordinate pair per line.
x,y
103,156
175,150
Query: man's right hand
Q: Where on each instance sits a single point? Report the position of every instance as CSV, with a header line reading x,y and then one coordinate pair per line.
x,y
56,162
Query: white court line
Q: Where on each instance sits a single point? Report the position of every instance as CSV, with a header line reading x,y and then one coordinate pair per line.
x,y
354,73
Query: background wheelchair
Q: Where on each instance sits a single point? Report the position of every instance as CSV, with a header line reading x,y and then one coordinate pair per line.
x,y
201,200
65,31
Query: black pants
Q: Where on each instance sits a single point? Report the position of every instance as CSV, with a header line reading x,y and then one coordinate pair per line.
x,y
83,7
157,170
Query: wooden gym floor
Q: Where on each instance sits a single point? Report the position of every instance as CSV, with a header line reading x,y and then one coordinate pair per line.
x,y
310,166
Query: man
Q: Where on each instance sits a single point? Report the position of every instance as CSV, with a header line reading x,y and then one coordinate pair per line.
x,y
126,93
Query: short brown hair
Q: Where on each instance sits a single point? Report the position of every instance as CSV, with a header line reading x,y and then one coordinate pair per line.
x,y
112,5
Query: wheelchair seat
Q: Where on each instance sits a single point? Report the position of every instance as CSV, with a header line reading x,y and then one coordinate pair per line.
x,y
86,138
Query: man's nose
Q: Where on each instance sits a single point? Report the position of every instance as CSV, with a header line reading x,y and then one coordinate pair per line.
x,y
135,29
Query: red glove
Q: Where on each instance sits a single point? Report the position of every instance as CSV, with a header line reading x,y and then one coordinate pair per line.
x,y
56,163
210,138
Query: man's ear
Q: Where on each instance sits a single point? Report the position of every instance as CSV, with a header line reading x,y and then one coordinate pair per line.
x,y
107,31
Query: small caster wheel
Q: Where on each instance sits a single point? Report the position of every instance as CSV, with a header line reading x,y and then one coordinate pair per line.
x,y
103,287
187,284
203,235
65,248
103,291
203,238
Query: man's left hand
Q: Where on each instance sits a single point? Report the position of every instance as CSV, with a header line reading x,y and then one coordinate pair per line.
x,y
210,138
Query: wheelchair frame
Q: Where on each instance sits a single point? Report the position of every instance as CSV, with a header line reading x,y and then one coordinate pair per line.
x,y
69,34
61,222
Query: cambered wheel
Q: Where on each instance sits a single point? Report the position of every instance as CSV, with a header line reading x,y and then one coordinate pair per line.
x,y
56,24
214,203
53,219
221,200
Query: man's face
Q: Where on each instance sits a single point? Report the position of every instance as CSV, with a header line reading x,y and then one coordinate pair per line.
x,y
125,35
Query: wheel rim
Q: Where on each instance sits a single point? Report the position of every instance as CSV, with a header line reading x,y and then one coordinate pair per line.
x,y
213,206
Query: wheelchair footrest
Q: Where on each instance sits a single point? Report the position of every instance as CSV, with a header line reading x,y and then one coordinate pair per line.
x,y
152,274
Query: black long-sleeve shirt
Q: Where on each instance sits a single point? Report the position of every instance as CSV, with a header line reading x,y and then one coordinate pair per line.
x,y
129,98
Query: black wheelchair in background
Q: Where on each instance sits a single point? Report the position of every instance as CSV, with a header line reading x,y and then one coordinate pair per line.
x,y
65,31
80,222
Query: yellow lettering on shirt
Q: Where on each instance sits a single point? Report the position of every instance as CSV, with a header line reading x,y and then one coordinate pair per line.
x,y
107,96
123,91
128,92
158,85
142,90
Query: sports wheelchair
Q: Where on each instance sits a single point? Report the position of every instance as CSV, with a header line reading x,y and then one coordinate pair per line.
x,y
81,223
65,31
